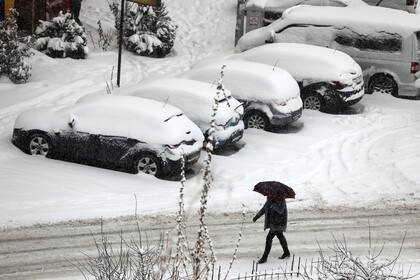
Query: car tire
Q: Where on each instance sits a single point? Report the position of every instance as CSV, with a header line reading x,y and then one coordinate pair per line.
x,y
313,101
149,164
383,83
256,119
39,144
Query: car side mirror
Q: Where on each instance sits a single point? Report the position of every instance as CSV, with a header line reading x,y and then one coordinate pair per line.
x,y
72,121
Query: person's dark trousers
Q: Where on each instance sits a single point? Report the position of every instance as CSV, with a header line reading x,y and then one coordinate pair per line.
x,y
269,242
76,5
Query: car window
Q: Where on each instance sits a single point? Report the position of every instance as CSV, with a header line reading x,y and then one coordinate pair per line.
x,y
418,41
378,41
306,34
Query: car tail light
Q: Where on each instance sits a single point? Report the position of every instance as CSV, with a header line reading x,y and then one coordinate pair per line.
x,y
414,67
411,2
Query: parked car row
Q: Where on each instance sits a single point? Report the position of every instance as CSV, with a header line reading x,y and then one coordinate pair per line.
x,y
306,59
384,42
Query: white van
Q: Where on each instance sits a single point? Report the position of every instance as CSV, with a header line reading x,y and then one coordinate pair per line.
x,y
270,95
385,42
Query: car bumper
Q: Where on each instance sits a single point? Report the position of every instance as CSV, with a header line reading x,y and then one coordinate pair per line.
x,y
285,119
228,136
171,167
349,98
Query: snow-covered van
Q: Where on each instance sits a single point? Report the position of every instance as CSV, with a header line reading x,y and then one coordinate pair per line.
x,y
270,10
270,95
329,79
117,132
196,100
385,42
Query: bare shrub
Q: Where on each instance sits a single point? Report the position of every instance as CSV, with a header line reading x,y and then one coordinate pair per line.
x,y
344,265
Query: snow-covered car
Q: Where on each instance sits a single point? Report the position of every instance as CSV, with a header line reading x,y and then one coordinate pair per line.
x,y
273,9
196,100
328,79
116,132
383,41
270,95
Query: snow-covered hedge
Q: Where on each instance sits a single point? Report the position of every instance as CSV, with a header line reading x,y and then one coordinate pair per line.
x,y
13,53
61,37
149,31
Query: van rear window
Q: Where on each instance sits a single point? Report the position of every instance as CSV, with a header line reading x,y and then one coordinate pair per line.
x,y
418,41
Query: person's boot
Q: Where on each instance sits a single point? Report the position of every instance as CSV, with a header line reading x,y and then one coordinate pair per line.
x,y
262,260
285,255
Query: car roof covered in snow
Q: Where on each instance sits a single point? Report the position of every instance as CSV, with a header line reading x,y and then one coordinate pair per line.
x,y
361,18
364,20
138,118
249,80
284,4
194,98
303,61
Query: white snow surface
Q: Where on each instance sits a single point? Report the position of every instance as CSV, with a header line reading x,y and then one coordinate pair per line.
x,y
249,80
305,61
367,159
364,20
284,4
194,98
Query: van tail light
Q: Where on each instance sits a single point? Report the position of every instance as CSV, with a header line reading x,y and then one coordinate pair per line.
x,y
415,67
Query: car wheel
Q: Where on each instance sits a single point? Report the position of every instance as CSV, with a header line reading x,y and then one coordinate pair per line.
x,y
39,145
383,83
256,119
313,101
149,164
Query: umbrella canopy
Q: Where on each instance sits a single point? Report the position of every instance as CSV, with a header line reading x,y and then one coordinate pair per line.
x,y
274,190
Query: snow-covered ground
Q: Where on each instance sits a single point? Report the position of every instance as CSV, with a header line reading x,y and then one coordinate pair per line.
x,y
366,159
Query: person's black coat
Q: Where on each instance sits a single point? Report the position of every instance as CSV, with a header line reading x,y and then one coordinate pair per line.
x,y
275,212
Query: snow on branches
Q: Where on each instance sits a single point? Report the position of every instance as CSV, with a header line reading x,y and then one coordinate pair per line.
x,y
13,52
149,31
61,37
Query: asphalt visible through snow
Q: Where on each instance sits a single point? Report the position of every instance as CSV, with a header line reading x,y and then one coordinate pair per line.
x,y
50,251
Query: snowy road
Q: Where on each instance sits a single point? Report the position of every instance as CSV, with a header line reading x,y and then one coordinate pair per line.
x,y
46,251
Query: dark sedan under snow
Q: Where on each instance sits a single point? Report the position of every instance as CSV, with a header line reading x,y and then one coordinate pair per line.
x,y
117,132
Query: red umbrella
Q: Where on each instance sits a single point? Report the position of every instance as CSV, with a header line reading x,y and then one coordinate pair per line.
x,y
274,190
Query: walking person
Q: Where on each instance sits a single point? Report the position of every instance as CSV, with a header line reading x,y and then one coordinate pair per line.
x,y
275,211
76,5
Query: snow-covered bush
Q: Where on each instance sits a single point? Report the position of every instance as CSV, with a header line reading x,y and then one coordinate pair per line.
x,y
61,37
13,51
149,31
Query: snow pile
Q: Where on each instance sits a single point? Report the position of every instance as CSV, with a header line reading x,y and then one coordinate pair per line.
x,y
61,37
149,31
194,98
305,61
137,118
249,81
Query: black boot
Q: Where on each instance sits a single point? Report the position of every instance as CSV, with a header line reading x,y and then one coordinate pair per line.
x,y
285,255
262,260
